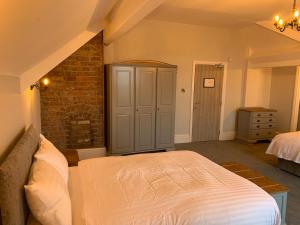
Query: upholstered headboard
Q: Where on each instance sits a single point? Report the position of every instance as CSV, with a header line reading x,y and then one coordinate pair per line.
x,y
14,173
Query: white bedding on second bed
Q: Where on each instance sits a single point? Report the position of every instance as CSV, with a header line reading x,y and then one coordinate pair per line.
x,y
286,146
182,188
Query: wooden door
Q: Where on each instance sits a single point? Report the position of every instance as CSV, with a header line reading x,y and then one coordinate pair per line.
x,y
166,98
207,102
145,108
122,119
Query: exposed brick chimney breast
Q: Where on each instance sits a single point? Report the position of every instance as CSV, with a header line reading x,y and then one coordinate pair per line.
x,y
72,107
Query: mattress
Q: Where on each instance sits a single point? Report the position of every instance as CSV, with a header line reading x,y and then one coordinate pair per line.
x,y
286,146
172,188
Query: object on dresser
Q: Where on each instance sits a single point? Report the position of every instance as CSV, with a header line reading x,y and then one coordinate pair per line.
x,y
256,124
72,157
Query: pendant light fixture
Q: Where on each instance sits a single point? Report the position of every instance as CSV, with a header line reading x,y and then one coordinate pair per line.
x,y
294,23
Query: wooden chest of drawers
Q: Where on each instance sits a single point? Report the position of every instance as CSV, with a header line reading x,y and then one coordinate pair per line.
x,y
255,124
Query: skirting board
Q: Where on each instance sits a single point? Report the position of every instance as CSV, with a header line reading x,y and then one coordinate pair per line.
x,y
88,153
182,138
227,136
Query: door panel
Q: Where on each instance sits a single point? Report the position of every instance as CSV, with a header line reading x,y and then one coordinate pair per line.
x,y
166,96
122,109
207,103
145,108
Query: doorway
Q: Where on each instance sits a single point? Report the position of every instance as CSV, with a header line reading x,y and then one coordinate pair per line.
x,y
207,102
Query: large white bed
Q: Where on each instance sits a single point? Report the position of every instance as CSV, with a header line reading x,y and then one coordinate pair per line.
x,y
286,146
170,188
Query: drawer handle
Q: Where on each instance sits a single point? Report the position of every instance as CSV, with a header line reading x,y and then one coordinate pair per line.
x,y
270,120
258,115
269,133
257,134
258,120
270,125
258,126
271,114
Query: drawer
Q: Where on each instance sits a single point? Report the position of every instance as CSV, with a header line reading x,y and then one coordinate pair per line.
x,y
262,134
263,126
263,120
264,114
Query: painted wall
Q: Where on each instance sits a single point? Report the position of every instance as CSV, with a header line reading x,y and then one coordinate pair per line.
x,y
258,87
18,110
263,42
181,44
282,94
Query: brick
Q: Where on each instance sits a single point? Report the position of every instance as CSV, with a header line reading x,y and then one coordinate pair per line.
x,y
76,92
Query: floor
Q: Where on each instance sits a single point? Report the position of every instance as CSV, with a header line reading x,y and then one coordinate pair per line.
x,y
253,155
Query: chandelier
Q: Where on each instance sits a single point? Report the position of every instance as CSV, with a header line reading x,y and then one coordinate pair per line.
x,y
281,24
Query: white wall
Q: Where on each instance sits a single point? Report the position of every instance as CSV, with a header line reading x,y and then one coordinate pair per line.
x,y
258,87
18,110
282,95
181,44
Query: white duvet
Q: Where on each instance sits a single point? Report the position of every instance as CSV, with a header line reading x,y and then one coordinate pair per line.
x,y
286,146
174,188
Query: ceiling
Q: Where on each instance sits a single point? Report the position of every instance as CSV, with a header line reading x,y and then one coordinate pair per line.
x,y
31,30
220,13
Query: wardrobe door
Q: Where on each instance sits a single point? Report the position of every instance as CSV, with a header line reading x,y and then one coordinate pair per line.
x,y
145,108
166,97
122,118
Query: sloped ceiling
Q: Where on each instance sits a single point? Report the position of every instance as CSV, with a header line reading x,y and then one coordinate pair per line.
x,y
220,13
32,30
36,35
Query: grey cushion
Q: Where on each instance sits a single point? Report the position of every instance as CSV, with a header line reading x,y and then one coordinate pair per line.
x,y
13,176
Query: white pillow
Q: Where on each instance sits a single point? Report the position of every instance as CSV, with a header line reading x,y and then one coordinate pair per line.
x,y
49,153
47,195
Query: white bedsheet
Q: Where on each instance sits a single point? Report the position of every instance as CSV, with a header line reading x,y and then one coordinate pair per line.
x,y
181,188
286,146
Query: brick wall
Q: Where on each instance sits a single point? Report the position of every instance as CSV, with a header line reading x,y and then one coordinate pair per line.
x,y
72,107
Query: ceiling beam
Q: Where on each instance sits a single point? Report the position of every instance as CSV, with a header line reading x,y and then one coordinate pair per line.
x,y
290,33
125,15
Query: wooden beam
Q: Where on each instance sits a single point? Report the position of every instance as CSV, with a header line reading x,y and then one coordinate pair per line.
x,y
290,33
125,15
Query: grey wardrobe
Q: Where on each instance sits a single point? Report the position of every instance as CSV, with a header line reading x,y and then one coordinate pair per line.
x,y
140,106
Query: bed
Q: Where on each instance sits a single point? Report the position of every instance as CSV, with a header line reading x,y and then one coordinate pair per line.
x,y
286,147
179,187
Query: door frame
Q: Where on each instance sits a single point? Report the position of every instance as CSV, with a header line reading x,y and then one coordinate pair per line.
x,y
296,101
225,64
